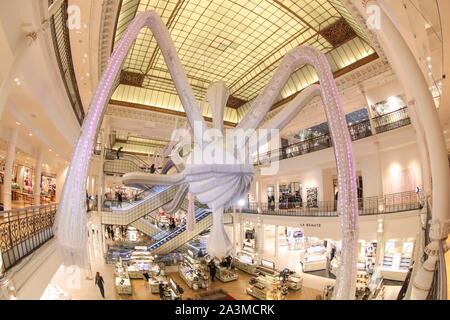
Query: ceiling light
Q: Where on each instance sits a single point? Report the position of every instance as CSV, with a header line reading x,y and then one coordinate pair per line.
x,y
16,79
86,55
18,123
430,66
430,74
428,58
50,150
18,83
85,26
88,74
30,134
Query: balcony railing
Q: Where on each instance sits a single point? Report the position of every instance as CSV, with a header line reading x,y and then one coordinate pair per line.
x,y
61,43
22,231
397,202
357,131
392,120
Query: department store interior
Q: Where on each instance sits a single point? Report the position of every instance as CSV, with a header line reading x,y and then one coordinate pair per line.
x,y
118,179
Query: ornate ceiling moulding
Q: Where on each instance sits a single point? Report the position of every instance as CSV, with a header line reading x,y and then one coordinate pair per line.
x,y
338,33
132,78
161,110
234,102
361,21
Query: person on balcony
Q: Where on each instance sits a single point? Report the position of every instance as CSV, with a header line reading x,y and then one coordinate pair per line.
x,y
152,168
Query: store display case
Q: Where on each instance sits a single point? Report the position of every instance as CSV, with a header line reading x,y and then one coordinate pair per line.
x,y
154,281
140,262
396,260
245,260
291,279
194,271
267,288
226,275
171,291
122,280
314,258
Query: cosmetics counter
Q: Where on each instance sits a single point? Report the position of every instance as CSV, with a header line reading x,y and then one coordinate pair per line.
x,y
141,262
267,287
194,271
397,259
245,260
226,275
314,258
171,291
122,280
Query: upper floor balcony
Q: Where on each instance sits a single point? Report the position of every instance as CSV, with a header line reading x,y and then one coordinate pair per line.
x,y
360,130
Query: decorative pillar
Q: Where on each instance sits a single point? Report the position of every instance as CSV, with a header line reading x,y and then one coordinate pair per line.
x,y
11,72
369,110
276,241
422,146
410,75
60,179
277,194
10,155
37,178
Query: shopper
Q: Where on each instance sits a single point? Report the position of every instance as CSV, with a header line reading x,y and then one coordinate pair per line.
x,y
212,269
161,290
99,282
229,260
119,199
152,168
118,152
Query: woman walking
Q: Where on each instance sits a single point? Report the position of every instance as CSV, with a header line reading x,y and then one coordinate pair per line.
x,y
99,282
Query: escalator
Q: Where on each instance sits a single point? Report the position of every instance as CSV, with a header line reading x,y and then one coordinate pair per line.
x,y
160,196
180,236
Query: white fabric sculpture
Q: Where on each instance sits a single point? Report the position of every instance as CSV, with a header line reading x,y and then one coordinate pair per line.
x,y
216,185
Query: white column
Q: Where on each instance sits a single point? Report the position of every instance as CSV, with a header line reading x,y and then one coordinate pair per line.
x,y
277,194
11,72
60,179
37,178
369,110
422,146
10,155
410,75
276,241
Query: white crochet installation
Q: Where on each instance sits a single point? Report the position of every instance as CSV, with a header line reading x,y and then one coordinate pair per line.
x,y
217,184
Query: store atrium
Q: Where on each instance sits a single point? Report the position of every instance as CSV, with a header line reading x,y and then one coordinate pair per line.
x,y
224,149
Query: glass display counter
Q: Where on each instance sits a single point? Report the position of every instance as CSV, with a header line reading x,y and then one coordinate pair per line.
x,y
314,259
194,271
226,275
267,288
122,280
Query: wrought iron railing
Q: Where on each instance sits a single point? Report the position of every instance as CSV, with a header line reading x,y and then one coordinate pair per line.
x,y
357,131
22,231
61,43
391,203
392,120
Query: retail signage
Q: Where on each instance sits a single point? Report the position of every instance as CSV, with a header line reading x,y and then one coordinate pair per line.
x,y
311,225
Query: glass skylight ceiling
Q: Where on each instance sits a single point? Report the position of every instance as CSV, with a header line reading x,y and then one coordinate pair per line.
x,y
240,42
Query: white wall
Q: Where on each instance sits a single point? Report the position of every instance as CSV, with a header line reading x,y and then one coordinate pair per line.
x,y
401,225
399,160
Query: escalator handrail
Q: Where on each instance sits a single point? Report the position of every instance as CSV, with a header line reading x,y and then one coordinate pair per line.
x,y
203,213
136,203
